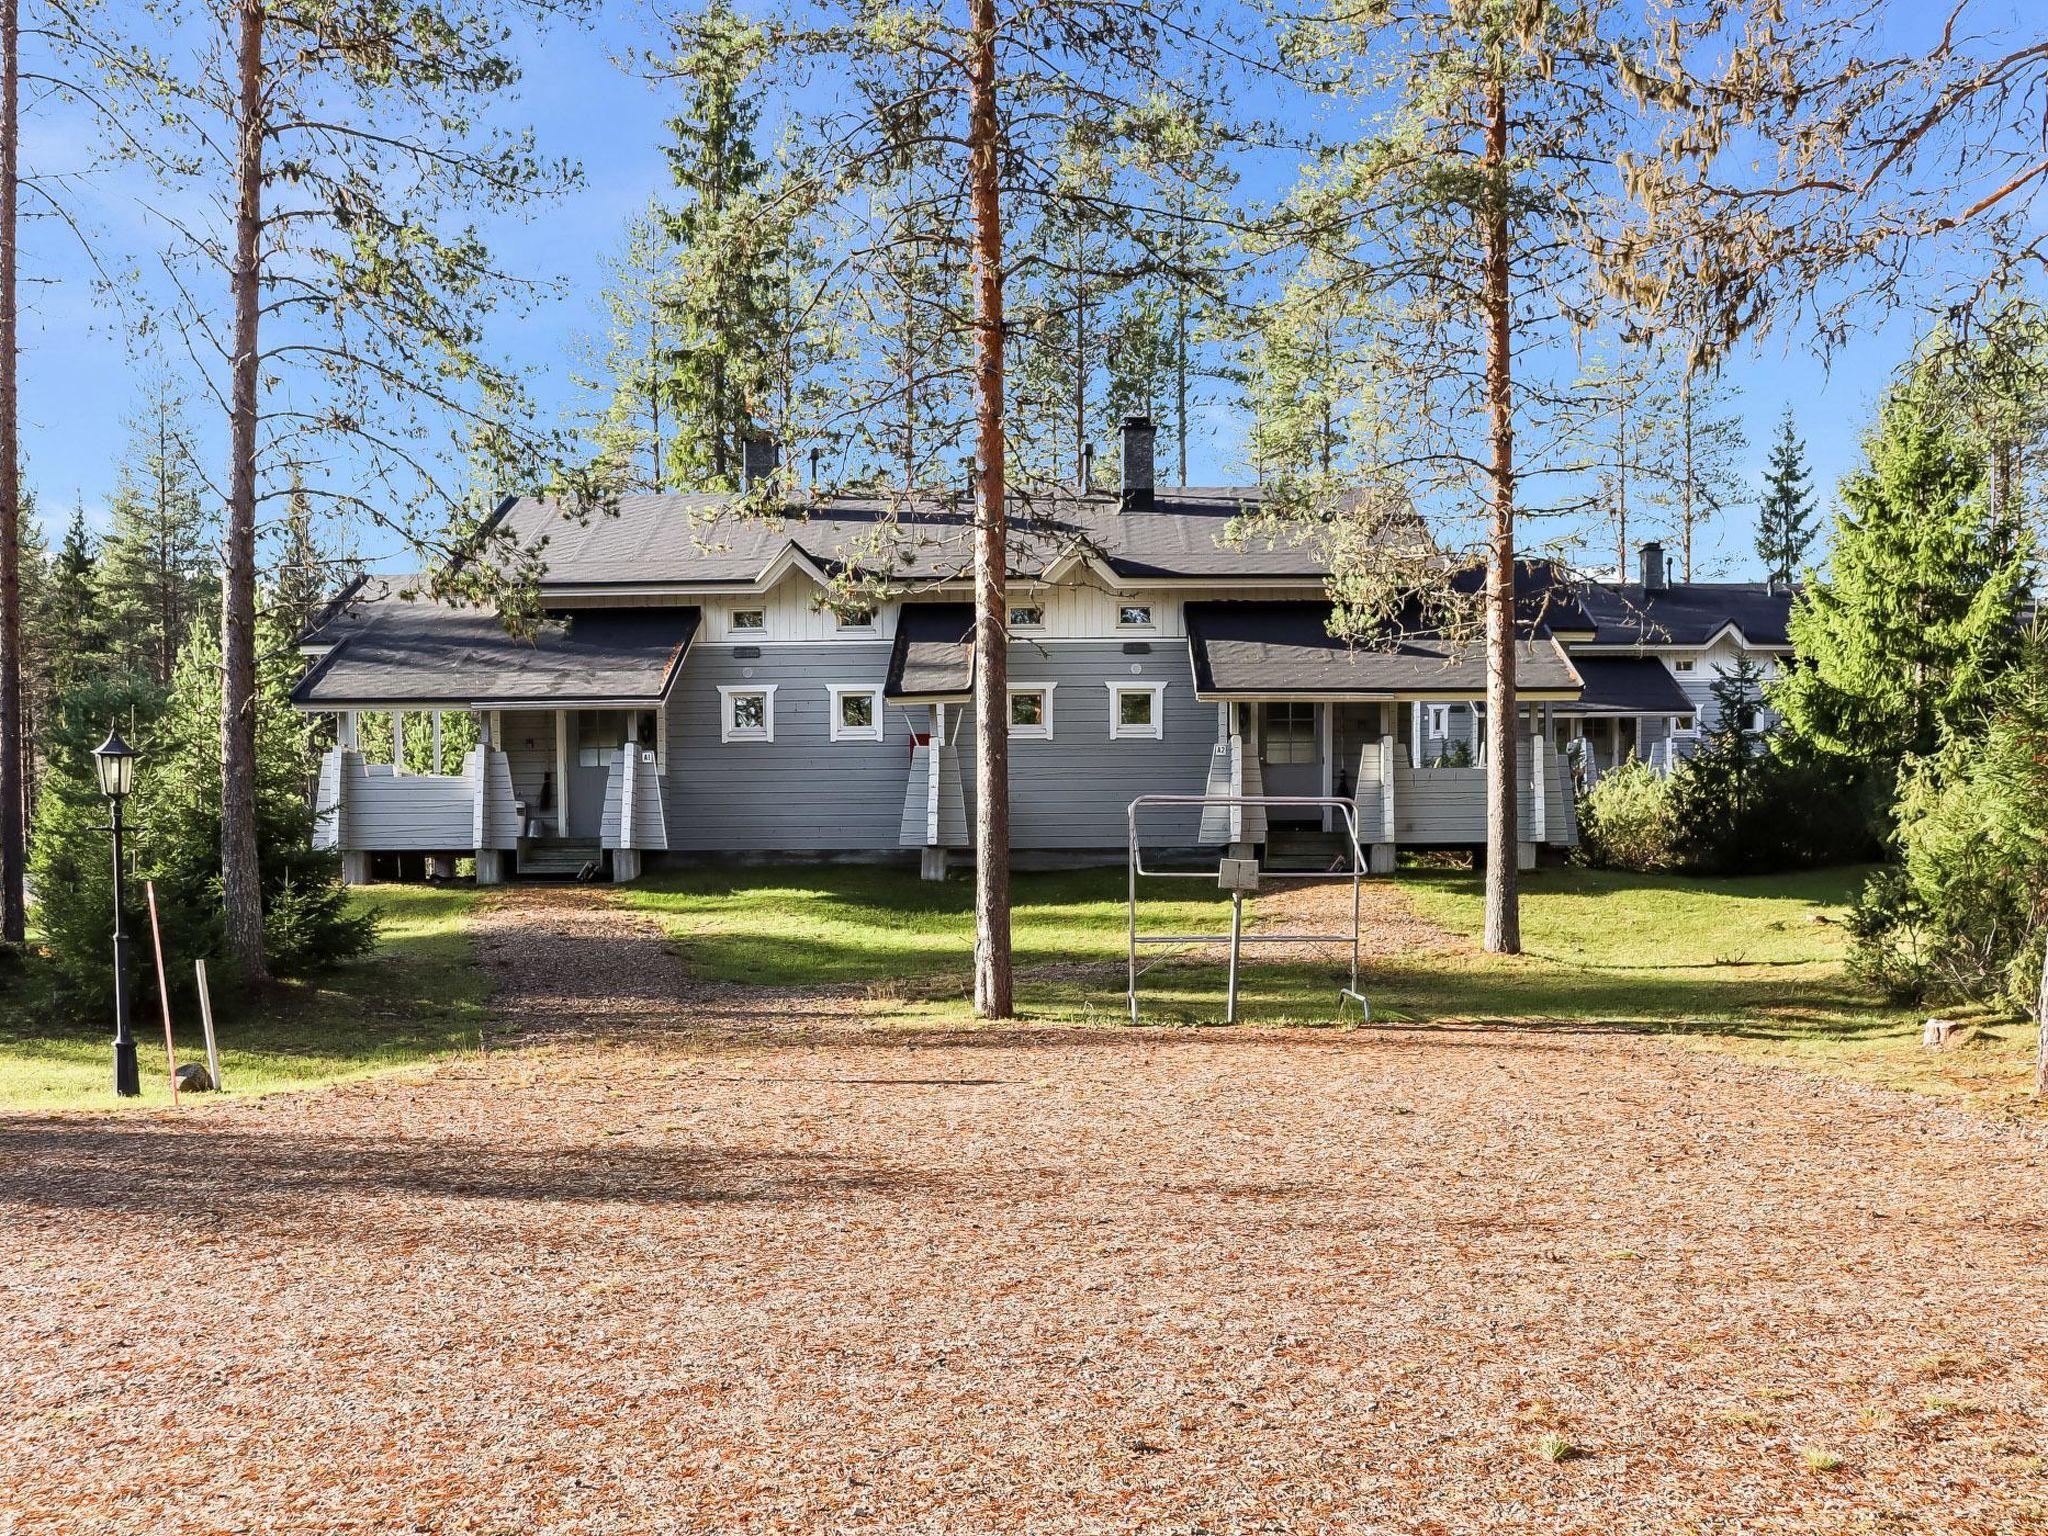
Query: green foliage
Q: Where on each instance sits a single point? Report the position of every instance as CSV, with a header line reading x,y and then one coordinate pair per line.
x,y
155,567
1748,802
1919,613
173,820
1626,820
722,305
1966,912
1786,518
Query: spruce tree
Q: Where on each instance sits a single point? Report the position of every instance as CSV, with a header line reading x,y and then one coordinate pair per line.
x,y
155,568
1787,516
722,306
69,616
1919,612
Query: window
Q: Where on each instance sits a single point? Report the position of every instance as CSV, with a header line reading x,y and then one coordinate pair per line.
x,y
747,714
1685,664
856,712
598,734
1290,734
1027,616
1134,616
1031,711
1686,725
750,621
1134,710
862,617
1439,719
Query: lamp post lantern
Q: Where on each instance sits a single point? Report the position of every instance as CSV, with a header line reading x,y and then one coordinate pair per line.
x,y
114,761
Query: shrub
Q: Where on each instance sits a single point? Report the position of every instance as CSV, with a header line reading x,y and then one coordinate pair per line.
x,y
1625,820
1966,912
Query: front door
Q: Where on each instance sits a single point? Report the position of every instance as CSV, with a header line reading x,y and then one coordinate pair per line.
x,y
1291,759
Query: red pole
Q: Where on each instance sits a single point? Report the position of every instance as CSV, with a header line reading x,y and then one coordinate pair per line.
x,y
163,991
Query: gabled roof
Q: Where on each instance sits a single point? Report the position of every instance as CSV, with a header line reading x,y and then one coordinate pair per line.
x,y
1691,614
1264,649
393,652
709,540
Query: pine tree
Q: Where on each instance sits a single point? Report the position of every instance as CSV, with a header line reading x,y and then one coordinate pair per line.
x,y
155,567
1919,612
1787,517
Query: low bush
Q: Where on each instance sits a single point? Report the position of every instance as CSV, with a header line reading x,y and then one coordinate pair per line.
x,y
1625,820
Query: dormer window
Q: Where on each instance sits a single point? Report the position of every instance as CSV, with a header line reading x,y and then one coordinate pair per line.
x,y
749,621
1134,616
1027,616
862,617
1684,664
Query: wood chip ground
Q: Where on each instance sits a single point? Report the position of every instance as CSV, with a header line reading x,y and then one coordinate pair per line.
x,y
678,1262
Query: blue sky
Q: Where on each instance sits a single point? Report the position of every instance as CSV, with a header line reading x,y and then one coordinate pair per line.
x,y
81,371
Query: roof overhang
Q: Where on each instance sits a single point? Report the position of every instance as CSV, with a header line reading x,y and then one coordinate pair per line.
x,y
393,654
1241,651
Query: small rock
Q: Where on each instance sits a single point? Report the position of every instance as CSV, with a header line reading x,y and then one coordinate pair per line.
x,y
1934,1034
192,1078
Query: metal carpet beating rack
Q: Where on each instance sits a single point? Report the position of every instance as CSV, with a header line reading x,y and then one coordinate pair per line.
x,y
1239,876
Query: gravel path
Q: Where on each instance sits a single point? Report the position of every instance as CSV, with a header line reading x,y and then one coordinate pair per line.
x,y
734,1277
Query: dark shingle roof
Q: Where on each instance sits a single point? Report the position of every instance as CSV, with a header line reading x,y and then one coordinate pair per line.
x,y
1287,647
1690,614
933,657
1627,685
398,652
703,539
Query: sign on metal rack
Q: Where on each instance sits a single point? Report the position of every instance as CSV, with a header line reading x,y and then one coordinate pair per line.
x,y
1241,877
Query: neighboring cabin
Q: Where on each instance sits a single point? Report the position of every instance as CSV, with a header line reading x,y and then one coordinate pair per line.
x,y
695,693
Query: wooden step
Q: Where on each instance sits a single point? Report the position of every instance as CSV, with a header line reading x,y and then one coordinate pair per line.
x,y
559,858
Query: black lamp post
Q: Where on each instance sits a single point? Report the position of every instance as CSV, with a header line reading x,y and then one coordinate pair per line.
x,y
114,760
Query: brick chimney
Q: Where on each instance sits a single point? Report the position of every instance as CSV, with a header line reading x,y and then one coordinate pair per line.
x,y
1139,436
1653,567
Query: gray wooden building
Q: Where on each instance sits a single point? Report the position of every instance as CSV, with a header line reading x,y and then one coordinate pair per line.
x,y
699,688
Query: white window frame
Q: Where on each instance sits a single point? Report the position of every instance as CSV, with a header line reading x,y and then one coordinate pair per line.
x,y
735,627
1687,726
1437,720
1041,731
1037,623
1150,621
857,625
1118,731
1684,663
841,731
727,731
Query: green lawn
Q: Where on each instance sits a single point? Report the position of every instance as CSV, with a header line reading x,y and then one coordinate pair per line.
x,y
418,997
1749,965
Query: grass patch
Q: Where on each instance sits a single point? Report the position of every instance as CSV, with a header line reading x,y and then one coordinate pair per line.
x,y
419,996
1751,965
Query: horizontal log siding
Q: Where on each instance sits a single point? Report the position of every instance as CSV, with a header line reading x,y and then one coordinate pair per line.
x,y
411,812
802,792
1075,790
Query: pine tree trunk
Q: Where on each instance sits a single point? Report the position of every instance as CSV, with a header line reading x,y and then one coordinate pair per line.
x,y
13,842
241,875
992,980
1503,910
